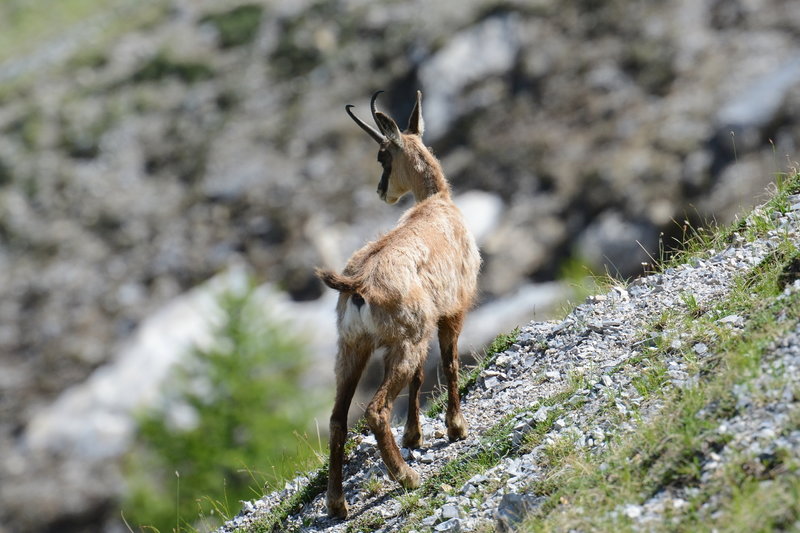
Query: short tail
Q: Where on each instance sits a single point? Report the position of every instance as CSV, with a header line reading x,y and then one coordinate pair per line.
x,y
337,282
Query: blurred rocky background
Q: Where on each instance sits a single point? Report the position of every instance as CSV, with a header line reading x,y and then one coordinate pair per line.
x,y
147,147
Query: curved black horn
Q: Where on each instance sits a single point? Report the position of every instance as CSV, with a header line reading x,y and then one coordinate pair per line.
x,y
374,108
364,126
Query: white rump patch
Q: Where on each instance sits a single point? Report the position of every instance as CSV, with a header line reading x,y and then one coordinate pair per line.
x,y
358,321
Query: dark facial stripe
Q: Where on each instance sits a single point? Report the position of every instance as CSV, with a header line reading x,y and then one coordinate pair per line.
x,y
385,159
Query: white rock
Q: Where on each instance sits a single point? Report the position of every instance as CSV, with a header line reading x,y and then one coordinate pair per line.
x,y
472,55
482,211
450,511
633,511
700,348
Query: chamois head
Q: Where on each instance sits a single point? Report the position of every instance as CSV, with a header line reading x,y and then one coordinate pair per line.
x,y
407,163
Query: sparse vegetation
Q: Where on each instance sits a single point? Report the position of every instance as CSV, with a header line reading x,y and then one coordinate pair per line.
x,y
373,485
367,522
670,450
410,502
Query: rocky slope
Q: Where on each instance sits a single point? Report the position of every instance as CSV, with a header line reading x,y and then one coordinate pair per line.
x,y
577,384
212,133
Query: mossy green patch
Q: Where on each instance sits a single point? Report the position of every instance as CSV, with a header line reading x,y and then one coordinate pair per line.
x,y
162,66
236,27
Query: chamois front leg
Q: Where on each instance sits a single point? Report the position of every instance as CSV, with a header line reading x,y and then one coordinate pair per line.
x,y
412,435
350,362
400,366
449,330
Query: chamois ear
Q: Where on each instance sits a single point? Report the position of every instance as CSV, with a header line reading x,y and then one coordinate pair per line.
x,y
389,128
416,124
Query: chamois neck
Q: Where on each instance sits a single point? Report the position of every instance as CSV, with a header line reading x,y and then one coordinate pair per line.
x,y
428,177
429,184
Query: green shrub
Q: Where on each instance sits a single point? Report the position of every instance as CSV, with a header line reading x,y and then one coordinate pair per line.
x,y
237,26
246,434
162,66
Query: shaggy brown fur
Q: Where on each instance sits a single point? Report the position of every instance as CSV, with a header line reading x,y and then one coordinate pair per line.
x,y
395,293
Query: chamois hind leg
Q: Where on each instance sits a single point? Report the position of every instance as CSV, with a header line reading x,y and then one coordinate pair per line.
x,y
401,362
412,435
350,361
449,330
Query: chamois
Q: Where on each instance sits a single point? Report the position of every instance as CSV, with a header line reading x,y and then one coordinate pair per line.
x,y
395,293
